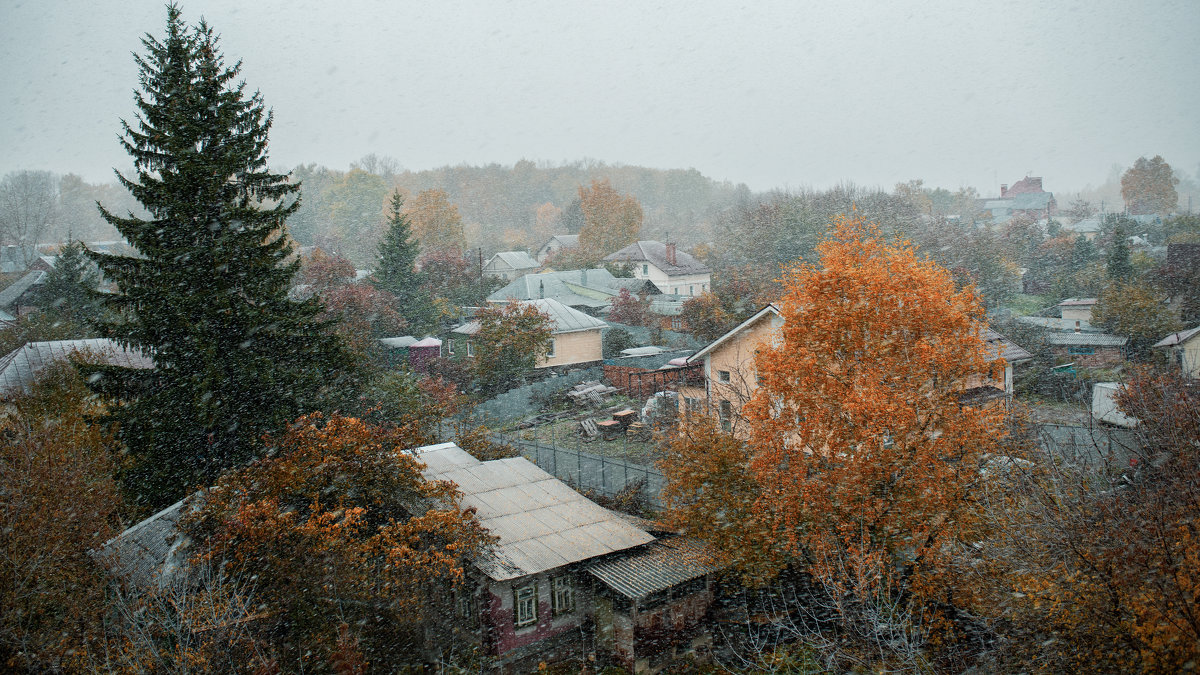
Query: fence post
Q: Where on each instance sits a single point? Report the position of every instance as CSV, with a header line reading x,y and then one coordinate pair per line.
x,y
603,480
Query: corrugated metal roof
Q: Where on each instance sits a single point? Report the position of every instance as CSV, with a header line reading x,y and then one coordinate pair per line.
x,y
1078,302
1089,339
541,523
566,319
150,551
563,319
14,290
20,368
517,260
554,285
1178,338
398,342
665,563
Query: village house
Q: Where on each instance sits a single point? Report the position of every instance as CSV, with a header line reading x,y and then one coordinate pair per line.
x,y
568,577
1090,350
1183,348
555,244
674,272
509,265
730,373
1077,309
1025,198
588,289
565,578
576,338
1088,228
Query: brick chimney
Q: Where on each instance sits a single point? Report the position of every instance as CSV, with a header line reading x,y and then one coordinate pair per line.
x,y
671,254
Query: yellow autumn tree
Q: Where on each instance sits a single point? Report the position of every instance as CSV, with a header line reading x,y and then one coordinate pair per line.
x,y
436,222
860,457
612,221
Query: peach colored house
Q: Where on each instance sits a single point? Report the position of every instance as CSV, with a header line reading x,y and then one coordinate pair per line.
x,y
1184,350
729,371
576,337
730,377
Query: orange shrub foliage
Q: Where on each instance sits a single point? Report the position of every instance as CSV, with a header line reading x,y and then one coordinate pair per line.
x,y
339,524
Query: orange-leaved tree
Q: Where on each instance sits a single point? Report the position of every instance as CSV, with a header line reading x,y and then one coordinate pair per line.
x,y
1095,565
859,458
341,533
59,501
612,221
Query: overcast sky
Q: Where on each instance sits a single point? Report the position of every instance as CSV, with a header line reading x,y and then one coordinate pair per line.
x,y
780,94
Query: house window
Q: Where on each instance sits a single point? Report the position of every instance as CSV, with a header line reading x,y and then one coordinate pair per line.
x,y
470,348
691,405
676,323
691,290
449,347
564,595
646,270
550,352
1081,350
464,605
726,414
723,375
525,605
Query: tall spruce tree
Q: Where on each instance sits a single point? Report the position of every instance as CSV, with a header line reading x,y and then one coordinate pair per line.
x,y
207,295
396,272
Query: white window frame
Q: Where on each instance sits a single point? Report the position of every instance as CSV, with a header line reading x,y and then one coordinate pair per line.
x,y
470,348
449,347
550,353
525,605
646,270
563,595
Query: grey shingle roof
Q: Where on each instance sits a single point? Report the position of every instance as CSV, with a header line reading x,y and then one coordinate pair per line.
x,y
998,345
541,523
20,367
665,563
656,252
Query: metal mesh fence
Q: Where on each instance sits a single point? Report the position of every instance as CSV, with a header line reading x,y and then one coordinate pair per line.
x,y
564,458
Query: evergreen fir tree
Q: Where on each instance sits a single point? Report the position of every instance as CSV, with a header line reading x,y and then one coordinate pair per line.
x,y
207,296
396,272
1119,267
69,291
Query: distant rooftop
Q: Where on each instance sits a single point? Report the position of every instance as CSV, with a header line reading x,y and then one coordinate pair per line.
x,y
656,252
21,367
